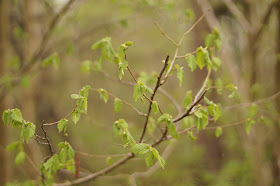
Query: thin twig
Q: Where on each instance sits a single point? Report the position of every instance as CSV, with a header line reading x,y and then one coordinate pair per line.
x,y
55,123
48,140
152,98
99,156
169,38
189,54
131,106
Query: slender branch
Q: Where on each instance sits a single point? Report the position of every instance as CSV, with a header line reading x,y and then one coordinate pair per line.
x,y
189,54
99,156
54,123
169,38
131,106
158,84
48,141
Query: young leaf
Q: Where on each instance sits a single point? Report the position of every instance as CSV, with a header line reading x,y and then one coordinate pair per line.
x,y
151,125
98,44
188,121
129,43
129,139
76,116
216,63
52,163
191,136
172,129
117,104
200,58
76,96
248,125
192,63
122,49
28,131
103,94
149,160
140,148
164,118
122,67
51,60
207,101
137,92
20,158
16,115
84,91
188,99
109,161
253,109
155,107
62,124
214,111
16,145
161,161
148,89
180,75
202,121
209,40
219,83
6,117
218,131
86,66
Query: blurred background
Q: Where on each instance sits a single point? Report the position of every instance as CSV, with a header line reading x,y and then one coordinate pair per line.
x,y
32,30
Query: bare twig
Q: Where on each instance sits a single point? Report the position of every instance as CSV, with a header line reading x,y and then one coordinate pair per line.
x,y
48,141
152,98
99,156
169,38
131,106
55,123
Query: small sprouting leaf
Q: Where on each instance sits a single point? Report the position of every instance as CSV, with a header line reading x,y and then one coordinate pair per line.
x,y
51,60
98,44
253,109
6,117
62,124
192,63
151,125
172,129
248,125
164,118
117,104
140,148
161,161
16,115
52,163
200,57
214,111
137,91
201,120
122,123
122,67
129,43
216,63
103,95
191,136
188,121
62,155
188,99
218,131
109,161
149,160
209,40
14,145
180,75
189,14
28,131
76,116
155,107
207,101
122,49
219,83
148,89
86,66
76,96
130,140
20,158
84,91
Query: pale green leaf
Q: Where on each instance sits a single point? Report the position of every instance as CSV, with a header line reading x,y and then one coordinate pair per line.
x,y
192,63
117,104
62,124
188,99
155,107
218,131
140,148
20,158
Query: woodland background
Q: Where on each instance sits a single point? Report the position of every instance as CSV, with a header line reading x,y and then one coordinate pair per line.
x,y
250,31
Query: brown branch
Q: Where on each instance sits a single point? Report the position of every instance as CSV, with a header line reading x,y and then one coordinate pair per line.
x,y
189,54
49,143
99,156
54,123
158,84
169,38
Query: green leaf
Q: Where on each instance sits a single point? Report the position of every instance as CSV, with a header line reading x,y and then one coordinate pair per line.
x,y
137,92
6,117
200,58
20,158
109,161
149,160
191,136
214,111
76,116
140,148
51,60
117,104
155,107
188,121
164,118
218,131
84,91
161,161
189,14
122,67
172,129
62,124
207,101
86,66
201,122
122,49
209,40
248,125
188,99
16,115
103,95
253,109
52,163
76,96
127,138
148,89
219,83
129,43
216,63
192,63
180,75
28,131
62,155
98,44
15,145
122,123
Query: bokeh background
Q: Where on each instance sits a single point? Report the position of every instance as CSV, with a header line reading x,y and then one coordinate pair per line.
x,y
250,31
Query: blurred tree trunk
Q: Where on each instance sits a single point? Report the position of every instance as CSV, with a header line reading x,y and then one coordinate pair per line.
x,y
4,4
